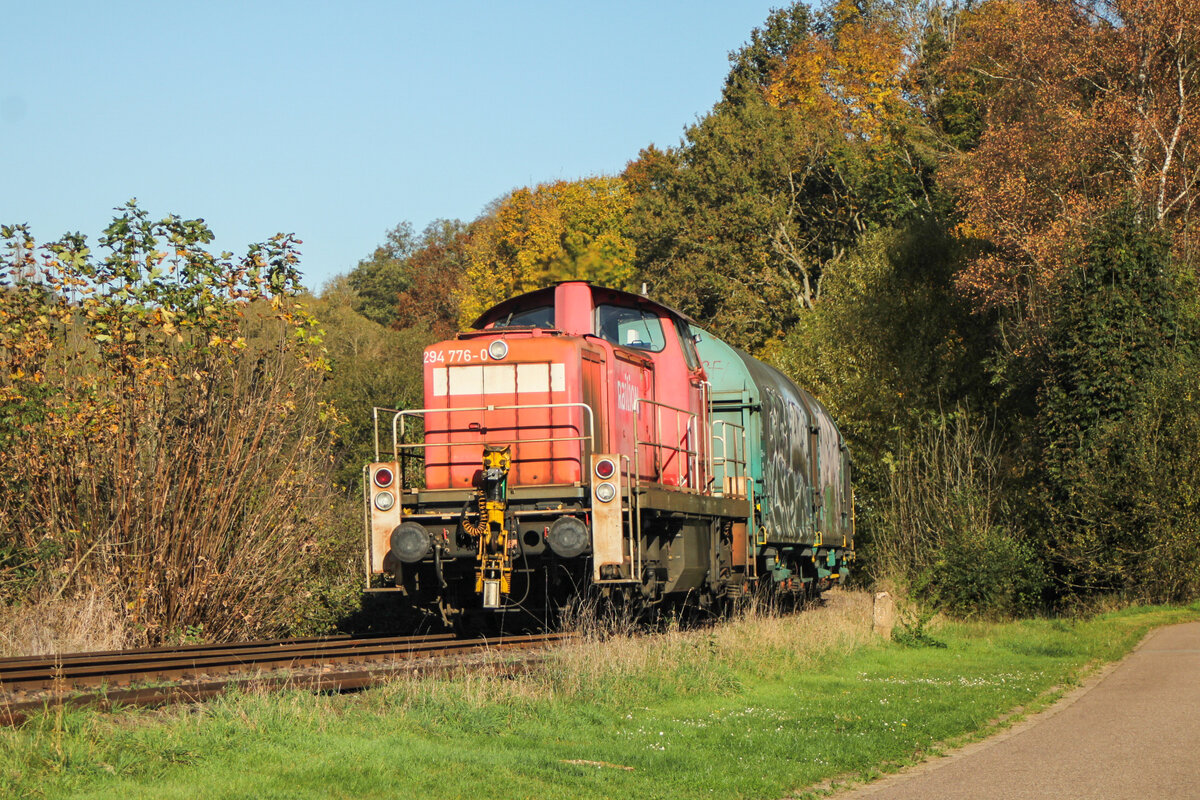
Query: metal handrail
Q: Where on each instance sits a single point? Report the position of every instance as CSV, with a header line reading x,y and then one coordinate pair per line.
x,y
743,473
368,553
635,520
751,525
689,434
375,419
400,416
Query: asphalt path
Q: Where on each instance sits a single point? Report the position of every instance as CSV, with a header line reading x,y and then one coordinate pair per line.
x,y
1131,732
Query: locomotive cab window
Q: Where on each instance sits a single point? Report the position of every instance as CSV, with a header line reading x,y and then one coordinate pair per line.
x,y
540,317
688,343
630,327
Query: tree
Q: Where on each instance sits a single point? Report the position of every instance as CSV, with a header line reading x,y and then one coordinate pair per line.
x,y
752,65
379,280
412,281
1086,104
817,138
565,230
435,271
716,221
891,343
1124,335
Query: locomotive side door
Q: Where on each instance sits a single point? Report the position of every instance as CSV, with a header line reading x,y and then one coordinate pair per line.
x,y
637,336
633,383
593,394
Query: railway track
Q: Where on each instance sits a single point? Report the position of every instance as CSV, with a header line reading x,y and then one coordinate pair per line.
x,y
196,672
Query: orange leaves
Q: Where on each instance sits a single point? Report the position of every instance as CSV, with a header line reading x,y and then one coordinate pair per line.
x,y
801,82
1087,106
853,78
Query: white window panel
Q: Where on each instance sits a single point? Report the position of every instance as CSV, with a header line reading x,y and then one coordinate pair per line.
x,y
477,380
500,379
466,380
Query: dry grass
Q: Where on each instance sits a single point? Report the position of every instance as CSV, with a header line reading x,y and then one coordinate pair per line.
x,y
676,661
90,621
840,624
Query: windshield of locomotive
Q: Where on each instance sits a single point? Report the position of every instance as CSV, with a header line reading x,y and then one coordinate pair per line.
x,y
630,327
540,317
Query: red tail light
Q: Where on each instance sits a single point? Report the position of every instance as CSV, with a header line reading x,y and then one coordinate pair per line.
x,y
383,477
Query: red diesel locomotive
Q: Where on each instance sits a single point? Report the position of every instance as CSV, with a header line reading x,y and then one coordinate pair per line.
x,y
586,440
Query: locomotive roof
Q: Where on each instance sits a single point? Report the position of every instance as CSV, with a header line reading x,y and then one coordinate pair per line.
x,y
546,294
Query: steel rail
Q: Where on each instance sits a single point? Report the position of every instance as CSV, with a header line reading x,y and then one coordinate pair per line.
x,y
63,658
17,712
60,674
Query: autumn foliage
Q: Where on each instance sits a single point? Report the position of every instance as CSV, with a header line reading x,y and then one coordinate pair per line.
x,y
935,181
162,434
566,230
1087,106
854,81
968,226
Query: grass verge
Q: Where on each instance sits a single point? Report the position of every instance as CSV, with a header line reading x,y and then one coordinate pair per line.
x,y
761,707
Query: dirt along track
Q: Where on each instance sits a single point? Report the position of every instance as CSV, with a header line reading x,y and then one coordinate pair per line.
x,y
1132,731
196,672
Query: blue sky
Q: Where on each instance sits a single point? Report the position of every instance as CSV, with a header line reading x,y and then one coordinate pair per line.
x,y
336,121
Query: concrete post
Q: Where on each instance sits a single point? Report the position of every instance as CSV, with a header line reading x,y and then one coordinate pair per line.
x,y
885,615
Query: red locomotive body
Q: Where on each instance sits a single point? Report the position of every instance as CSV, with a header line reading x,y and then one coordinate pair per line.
x,y
564,443
576,362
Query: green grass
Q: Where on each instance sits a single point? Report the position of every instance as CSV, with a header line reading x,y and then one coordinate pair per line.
x,y
758,708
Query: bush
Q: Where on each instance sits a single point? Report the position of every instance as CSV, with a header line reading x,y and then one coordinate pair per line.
x,y
941,532
1130,522
984,572
163,436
